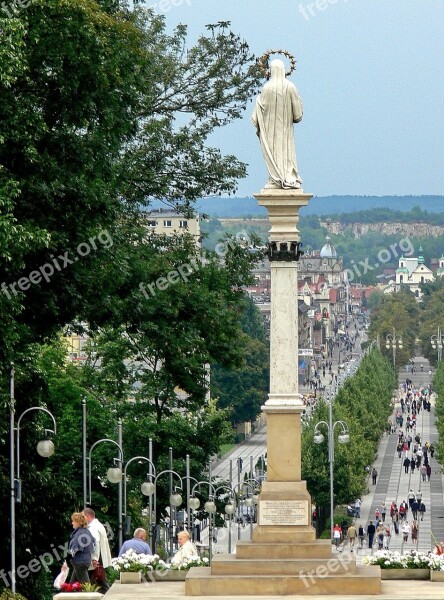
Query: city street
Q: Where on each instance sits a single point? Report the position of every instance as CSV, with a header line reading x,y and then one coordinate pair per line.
x,y
392,483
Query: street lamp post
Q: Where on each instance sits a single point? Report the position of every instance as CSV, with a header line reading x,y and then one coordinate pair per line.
x,y
393,341
343,438
436,341
149,488
114,475
152,471
209,507
45,448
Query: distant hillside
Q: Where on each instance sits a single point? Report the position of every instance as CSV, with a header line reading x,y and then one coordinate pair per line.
x,y
327,205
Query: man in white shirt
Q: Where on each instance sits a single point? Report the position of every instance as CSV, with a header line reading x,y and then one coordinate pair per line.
x,y
102,552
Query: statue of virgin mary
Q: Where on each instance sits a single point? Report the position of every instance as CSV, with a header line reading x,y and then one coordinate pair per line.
x,y
277,108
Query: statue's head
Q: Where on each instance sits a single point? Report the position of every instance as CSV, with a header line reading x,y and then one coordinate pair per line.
x,y
277,69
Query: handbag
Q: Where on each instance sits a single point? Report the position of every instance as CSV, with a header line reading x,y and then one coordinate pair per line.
x,y
62,576
99,573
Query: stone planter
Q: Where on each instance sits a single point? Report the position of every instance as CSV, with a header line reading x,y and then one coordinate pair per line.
x,y
131,577
167,575
423,574
437,576
80,595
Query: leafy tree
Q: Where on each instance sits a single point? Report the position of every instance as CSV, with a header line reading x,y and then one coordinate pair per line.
x,y
244,388
431,319
364,404
399,314
104,111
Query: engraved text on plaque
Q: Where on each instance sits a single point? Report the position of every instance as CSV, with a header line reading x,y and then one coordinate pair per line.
x,y
283,512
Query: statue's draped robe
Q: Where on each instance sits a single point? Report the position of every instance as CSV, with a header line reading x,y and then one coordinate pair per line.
x,y
277,108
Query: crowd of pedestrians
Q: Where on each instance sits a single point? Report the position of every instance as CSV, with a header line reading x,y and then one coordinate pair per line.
x,y
399,518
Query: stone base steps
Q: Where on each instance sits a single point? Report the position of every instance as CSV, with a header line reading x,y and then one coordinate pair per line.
x,y
365,580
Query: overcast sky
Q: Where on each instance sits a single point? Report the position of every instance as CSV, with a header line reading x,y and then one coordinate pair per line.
x,y
370,74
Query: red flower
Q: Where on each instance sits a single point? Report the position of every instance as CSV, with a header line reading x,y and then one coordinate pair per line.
x,y
439,548
71,587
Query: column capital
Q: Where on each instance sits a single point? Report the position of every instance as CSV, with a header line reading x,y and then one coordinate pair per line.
x,y
283,213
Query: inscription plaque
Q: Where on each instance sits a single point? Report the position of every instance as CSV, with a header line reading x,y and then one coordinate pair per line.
x,y
283,512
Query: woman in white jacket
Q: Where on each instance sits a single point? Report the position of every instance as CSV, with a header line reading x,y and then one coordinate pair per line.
x,y
187,550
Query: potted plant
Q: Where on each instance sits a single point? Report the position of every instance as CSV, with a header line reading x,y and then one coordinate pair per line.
x,y
133,566
87,591
436,562
178,572
394,565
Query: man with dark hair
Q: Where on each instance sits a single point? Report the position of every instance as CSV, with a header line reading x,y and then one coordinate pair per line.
x,y
371,530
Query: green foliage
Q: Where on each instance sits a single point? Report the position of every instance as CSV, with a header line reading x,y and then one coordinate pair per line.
x,y
438,387
8,595
432,319
364,404
397,313
102,111
243,389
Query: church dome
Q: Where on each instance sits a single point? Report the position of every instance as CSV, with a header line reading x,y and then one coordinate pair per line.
x,y
328,250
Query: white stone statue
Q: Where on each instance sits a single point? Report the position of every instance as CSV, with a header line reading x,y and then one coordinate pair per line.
x,y
277,108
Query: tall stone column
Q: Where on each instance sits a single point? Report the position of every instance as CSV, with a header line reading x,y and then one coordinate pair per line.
x,y
284,505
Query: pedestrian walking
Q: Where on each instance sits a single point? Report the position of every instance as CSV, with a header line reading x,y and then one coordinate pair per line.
x,y
429,472
412,465
337,535
406,464
101,554
405,531
387,535
424,473
351,534
374,475
422,510
403,510
411,497
380,532
361,536
371,530
383,511
377,515
415,508
358,503
415,530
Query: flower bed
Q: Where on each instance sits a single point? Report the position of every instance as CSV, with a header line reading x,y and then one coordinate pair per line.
x,y
152,567
193,561
395,560
131,562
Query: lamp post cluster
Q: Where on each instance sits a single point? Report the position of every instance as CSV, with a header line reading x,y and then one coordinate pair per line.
x,y
343,438
436,341
45,448
243,493
393,341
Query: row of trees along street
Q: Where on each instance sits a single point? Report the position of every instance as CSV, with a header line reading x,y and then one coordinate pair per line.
x,y
415,322
103,112
364,403
438,386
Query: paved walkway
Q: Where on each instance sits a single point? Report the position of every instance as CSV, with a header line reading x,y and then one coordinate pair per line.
x,y
390,590
394,484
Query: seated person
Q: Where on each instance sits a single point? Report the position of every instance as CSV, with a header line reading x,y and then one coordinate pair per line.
x,y
138,543
186,551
